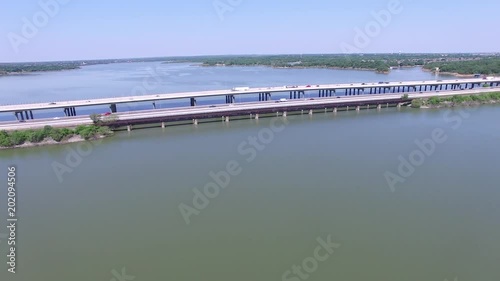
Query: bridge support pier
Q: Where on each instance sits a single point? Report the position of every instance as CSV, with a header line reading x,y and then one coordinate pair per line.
x,y
129,128
195,121
310,112
227,119
357,108
335,110
112,107
379,107
25,115
163,125
154,105
229,99
193,101
69,111
257,116
284,113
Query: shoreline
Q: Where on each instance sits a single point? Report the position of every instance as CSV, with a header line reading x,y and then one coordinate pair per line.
x,y
51,136
348,68
456,101
50,141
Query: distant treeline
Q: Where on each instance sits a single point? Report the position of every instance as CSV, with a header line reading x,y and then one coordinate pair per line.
x,y
19,68
488,66
35,67
456,63
377,62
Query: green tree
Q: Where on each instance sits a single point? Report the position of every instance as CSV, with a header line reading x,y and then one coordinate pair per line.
x,y
18,137
96,118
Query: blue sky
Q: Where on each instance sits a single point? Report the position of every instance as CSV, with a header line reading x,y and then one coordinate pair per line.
x,y
95,29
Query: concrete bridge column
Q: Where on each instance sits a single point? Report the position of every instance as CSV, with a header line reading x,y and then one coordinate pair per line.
x,y
257,116
129,128
371,90
310,112
154,105
357,108
17,115
284,113
195,121
192,100
163,125
31,115
112,107
335,110
227,119
379,107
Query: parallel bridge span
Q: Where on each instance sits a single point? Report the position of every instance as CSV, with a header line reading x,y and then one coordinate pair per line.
x,y
265,94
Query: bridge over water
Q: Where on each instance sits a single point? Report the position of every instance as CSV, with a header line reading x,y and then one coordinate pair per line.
x,y
25,111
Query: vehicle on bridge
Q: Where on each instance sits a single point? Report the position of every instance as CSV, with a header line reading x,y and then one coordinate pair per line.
x,y
241,88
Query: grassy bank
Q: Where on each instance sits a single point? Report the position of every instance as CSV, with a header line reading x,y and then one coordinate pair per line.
x,y
50,135
466,100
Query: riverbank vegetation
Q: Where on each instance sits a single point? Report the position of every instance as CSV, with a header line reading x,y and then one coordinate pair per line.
x,y
467,64
458,100
378,62
488,66
50,135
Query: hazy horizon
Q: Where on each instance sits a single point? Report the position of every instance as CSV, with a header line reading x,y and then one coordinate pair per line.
x,y
249,55
66,30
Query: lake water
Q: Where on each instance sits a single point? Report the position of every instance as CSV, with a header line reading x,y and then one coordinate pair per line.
x,y
110,210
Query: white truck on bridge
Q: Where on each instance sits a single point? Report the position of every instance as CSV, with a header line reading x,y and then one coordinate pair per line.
x,y
241,88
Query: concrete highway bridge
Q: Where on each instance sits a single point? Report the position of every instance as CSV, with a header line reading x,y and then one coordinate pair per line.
x,y
254,110
25,111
